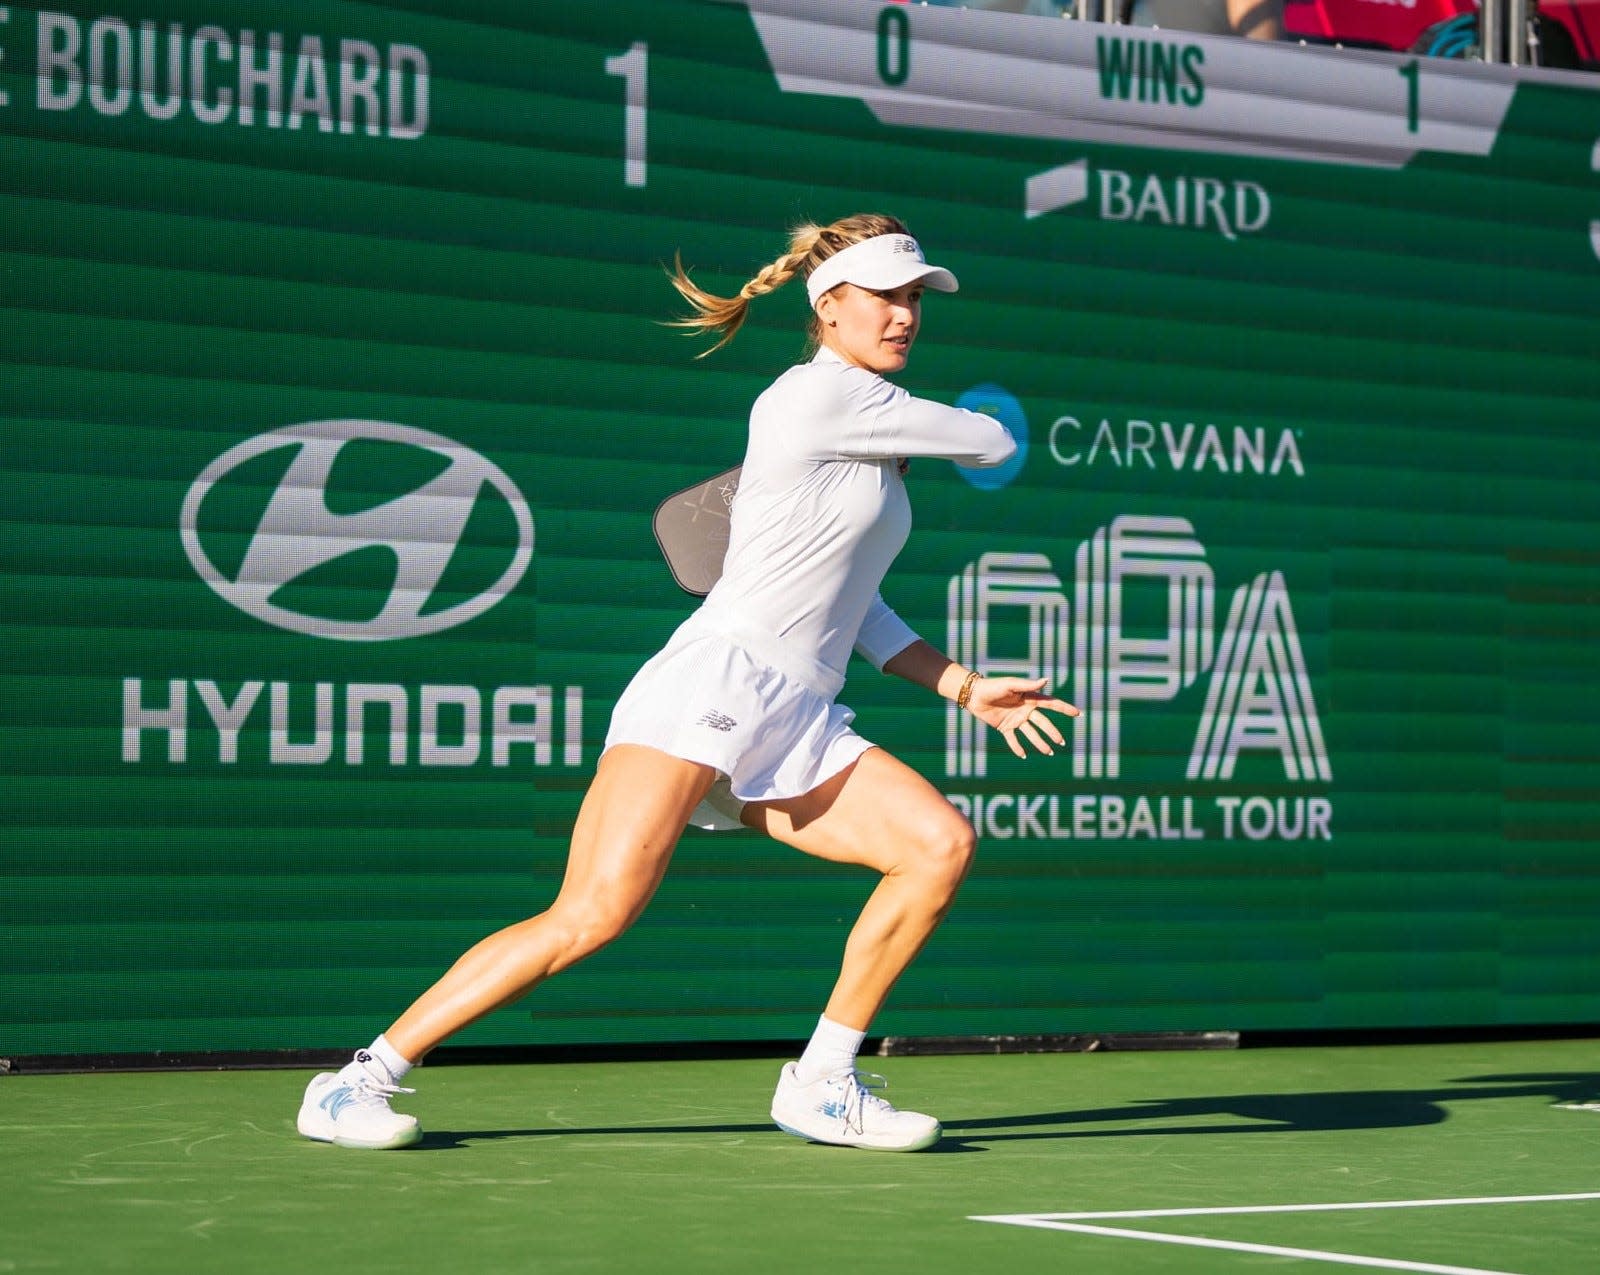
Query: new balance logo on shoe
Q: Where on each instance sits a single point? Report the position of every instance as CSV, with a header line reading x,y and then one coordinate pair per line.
x,y
338,1100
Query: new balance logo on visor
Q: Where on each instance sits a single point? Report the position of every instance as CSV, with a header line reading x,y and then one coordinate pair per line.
x,y
717,721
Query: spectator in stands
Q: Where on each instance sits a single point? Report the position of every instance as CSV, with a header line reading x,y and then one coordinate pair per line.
x,y
1253,19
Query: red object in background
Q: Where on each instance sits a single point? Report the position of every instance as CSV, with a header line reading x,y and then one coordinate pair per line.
x,y
1398,24
1384,24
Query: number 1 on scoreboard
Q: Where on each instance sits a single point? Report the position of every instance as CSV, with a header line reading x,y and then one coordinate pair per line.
x,y
632,66
1412,74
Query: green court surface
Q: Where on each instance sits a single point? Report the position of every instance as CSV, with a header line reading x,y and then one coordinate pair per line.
x,y
672,1166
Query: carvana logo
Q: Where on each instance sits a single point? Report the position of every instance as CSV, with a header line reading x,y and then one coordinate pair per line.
x,y
1000,403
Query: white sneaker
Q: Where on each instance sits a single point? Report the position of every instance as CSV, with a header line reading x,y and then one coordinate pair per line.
x,y
350,1108
844,1111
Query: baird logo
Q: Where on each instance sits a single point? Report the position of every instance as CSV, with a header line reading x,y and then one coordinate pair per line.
x,y
360,531
1229,208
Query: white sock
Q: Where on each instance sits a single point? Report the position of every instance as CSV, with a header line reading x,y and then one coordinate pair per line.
x,y
831,1050
388,1055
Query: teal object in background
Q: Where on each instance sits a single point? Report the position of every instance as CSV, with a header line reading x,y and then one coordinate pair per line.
x,y
336,401
998,402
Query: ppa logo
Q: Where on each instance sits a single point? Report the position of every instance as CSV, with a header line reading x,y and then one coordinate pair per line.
x,y
1141,627
1258,693
359,531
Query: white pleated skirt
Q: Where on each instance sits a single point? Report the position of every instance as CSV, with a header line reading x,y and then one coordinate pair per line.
x,y
738,702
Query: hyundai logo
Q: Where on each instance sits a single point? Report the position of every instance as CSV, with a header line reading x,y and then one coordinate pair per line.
x,y
361,531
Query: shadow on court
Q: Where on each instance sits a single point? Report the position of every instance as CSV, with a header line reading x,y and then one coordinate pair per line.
x,y
1280,1112
1223,1114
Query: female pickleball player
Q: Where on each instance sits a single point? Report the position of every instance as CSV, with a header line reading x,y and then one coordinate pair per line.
x,y
735,722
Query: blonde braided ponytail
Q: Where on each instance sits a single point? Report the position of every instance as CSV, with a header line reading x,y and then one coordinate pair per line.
x,y
809,246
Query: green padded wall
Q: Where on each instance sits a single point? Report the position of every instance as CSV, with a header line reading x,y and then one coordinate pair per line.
x,y
336,399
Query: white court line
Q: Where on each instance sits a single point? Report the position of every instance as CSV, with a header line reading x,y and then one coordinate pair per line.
x,y
1078,1222
1320,1208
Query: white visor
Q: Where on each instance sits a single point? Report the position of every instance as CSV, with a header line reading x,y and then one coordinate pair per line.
x,y
879,264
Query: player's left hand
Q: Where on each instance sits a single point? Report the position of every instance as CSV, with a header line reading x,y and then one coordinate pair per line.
x,y
1017,708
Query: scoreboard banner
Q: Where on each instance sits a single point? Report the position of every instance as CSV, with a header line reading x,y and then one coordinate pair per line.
x,y
337,401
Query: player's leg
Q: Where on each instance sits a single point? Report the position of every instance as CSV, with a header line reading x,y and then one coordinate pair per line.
x,y
627,827
623,839
880,814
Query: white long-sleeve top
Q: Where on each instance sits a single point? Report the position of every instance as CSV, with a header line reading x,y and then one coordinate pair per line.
x,y
822,512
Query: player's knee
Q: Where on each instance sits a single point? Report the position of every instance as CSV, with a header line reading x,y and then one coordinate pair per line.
x,y
946,851
583,929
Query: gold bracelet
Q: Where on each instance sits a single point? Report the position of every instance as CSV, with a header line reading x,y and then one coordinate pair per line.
x,y
965,693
